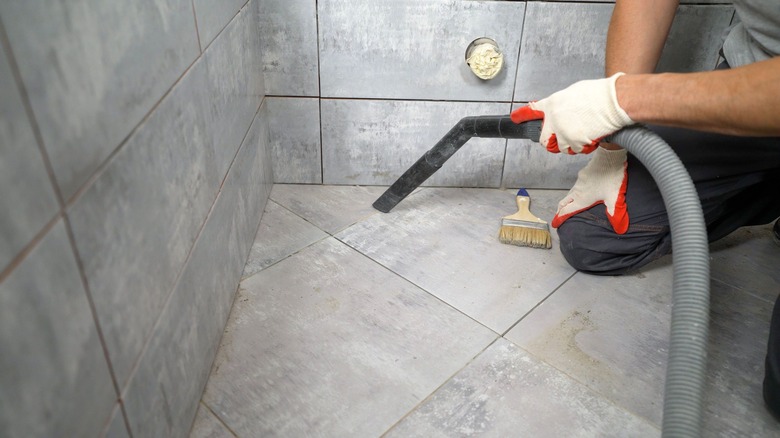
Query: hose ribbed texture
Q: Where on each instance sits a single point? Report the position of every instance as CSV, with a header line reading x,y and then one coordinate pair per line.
x,y
687,363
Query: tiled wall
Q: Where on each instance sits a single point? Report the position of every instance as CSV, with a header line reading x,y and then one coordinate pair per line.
x,y
383,81
134,167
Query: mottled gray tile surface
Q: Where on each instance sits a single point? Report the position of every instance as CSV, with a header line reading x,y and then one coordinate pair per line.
x,y
507,392
53,374
330,208
446,241
562,43
748,259
329,341
739,327
610,333
117,427
137,222
281,234
27,200
288,33
408,49
374,142
528,164
235,88
162,397
294,125
695,38
208,426
214,16
93,70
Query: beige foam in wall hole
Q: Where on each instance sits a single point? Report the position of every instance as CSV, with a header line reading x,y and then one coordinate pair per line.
x,y
484,58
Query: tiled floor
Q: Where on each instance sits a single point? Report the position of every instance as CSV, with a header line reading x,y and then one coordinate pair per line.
x,y
351,322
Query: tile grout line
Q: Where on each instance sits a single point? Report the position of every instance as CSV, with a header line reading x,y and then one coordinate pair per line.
x,y
197,32
33,121
539,303
433,393
319,89
221,421
169,294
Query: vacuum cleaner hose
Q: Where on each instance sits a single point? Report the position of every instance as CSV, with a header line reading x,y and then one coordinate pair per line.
x,y
687,363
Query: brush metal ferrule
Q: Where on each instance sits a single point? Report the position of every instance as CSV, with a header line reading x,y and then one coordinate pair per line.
x,y
526,224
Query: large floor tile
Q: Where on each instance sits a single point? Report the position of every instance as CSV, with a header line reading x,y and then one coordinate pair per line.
x,y
281,234
748,259
330,208
327,342
507,392
446,241
611,333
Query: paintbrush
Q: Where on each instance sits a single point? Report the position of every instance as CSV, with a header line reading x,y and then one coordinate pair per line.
x,y
523,228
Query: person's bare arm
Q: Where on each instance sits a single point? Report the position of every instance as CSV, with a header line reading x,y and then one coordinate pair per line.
x,y
739,101
637,32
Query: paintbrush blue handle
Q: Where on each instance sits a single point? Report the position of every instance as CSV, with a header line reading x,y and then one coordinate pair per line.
x,y
523,192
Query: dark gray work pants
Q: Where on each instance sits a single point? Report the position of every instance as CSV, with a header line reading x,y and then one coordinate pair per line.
x,y
738,181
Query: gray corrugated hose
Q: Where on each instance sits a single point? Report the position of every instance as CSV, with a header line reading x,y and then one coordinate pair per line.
x,y
687,364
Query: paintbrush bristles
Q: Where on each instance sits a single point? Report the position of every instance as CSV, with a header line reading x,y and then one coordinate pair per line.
x,y
523,228
521,236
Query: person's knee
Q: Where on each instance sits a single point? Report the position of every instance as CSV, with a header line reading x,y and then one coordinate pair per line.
x,y
592,247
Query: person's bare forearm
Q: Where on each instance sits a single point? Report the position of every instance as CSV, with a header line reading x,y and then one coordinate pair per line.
x,y
637,33
740,101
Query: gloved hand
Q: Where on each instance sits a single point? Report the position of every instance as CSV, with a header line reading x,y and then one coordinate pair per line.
x,y
602,181
578,117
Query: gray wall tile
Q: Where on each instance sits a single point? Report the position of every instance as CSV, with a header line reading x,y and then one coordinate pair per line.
x,y
162,397
411,49
137,222
93,69
561,45
235,88
27,200
294,125
208,426
288,30
53,373
374,142
528,164
213,16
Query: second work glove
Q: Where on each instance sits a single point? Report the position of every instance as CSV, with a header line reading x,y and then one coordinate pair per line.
x,y
578,117
602,181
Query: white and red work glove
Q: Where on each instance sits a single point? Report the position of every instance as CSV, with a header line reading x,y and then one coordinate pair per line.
x,y
602,181
575,119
